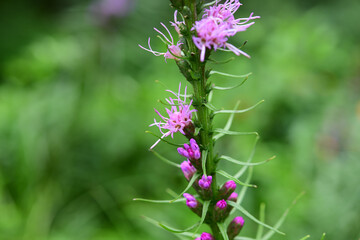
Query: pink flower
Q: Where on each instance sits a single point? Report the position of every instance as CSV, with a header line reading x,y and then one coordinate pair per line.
x,y
217,25
188,169
192,151
179,116
173,50
205,182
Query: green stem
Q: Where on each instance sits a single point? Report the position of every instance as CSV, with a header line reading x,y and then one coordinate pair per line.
x,y
200,98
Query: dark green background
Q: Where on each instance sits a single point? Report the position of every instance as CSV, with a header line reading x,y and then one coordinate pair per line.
x,y
77,95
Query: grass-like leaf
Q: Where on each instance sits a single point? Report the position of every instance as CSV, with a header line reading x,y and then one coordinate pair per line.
x,y
239,111
229,88
227,175
223,231
194,177
165,159
306,237
230,159
228,123
242,170
244,189
210,106
244,238
206,205
260,229
278,224
159,201
230,75
203,160
323,236
164,140
227,132
167,228
245,212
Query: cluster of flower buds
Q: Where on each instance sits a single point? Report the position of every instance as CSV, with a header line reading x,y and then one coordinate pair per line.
x,y
191,152
205,236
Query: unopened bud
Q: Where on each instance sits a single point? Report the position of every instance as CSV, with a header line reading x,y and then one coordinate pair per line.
x,y
220,210
188,169
205,236
233,197
193,204
205,182
226,190
235,227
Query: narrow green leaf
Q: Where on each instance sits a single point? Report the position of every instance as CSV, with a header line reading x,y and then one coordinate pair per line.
x,y
208,4
262,219
164,140
197,130
203,161
229,88
159,201
252,154
223,231
165,159
210,106
244,238
171,192
167,104
167,228
306,237
243,210
225,174
239,111
211,93
230,75
226,132
196,175
228,123
278,224
203,215
244,189
323,236
221,62
230,159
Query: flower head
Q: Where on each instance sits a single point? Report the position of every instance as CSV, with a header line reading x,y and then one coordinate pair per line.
x,y
191,151
179,116
217,25
235,227
188,169
206,236
173,50
191,201
205,182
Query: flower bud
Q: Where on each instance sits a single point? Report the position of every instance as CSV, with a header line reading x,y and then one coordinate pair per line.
x,y
205,182
233,197
193,204
205,236
191,152
226,190
235,227
220,210
188,169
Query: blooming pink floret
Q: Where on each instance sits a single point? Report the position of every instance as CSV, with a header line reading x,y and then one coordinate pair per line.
x,y
174,50
179,116
217,25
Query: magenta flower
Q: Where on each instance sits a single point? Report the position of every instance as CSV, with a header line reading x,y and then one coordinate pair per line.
x,y
192,152
188,169
221,204
217,25
205,182
205,236
173,50
233,197
179,116
235,227
191,201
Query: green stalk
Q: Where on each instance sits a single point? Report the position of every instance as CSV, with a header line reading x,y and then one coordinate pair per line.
x,y
198,80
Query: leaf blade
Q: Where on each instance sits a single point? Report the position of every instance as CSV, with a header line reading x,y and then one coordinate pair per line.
x,y
227,175
239,111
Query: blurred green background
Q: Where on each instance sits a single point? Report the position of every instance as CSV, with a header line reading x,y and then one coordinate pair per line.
x,y
77,95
